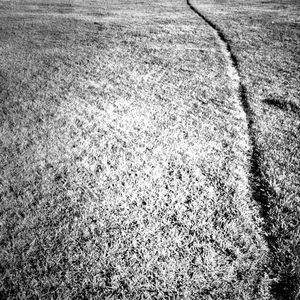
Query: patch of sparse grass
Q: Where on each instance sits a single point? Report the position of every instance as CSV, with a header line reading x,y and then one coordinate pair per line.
x,y
264,37
124,157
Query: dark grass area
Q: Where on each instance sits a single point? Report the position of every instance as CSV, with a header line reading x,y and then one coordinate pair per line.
x,y
280,103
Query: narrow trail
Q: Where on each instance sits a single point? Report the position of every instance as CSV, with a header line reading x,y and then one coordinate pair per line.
x,y
259,186
260,189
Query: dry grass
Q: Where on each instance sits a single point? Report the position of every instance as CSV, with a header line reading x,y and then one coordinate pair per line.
x,y
264,37
124,157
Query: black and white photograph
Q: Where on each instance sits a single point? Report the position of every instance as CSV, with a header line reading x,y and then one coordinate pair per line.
x,y
150,149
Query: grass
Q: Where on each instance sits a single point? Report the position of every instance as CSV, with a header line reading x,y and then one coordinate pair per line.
x,y
264,37
124,157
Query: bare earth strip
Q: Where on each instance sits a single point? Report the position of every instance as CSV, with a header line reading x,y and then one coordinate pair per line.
x,y
124,156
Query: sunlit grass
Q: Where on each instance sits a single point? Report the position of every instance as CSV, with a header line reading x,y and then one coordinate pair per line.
x,y
124,157
264,37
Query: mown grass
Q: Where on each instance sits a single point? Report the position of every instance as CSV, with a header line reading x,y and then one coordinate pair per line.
x,y
264,37
124,157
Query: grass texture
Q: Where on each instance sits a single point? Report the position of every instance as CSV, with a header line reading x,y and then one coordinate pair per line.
x,y
124,157
264,37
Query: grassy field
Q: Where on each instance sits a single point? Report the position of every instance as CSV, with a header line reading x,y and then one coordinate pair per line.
x,y
264,37
125,153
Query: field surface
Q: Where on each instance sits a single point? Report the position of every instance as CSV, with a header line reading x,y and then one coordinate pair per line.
x,y
126,158
264,39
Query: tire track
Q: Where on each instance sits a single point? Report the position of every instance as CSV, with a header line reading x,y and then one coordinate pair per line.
x,y
261,190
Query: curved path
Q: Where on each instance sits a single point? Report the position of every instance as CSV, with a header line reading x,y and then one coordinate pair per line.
x,y
260,188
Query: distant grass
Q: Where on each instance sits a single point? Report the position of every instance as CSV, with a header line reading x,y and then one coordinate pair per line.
x,y
124,157
264,37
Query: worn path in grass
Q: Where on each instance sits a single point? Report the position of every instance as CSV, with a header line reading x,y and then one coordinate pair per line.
x,y
263,37
125,156
259,187
255,179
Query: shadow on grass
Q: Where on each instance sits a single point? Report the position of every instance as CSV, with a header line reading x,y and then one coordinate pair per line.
x,y
262,192
281,104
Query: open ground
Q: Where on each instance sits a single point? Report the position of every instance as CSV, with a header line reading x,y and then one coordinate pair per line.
x,y
133,166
